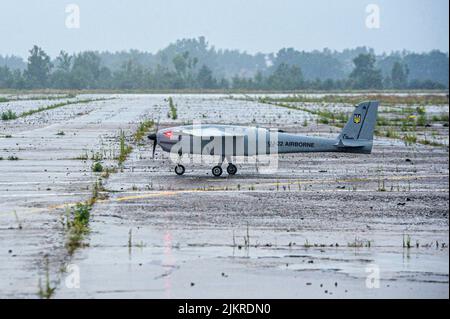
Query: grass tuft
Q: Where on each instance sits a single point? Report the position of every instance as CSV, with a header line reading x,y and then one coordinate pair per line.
x,y
77,224
46,291
173,109
8,115
143,129
97,167
410,139
124,149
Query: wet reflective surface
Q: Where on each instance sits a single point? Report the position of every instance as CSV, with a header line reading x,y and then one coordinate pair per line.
x,y
321,226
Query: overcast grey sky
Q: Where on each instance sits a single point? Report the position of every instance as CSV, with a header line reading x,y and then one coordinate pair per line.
x,y
250,25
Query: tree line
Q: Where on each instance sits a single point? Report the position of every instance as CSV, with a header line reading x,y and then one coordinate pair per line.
x,y
192,64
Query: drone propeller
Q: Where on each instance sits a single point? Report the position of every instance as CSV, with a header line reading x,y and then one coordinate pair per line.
x,y
153,137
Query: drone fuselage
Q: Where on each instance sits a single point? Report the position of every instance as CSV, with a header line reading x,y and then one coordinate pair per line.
x,y
227,141
249,141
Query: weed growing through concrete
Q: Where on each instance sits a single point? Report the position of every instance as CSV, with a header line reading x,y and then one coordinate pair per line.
x,y
124,149
358,243
410,139
143,128
107,171
97,167
130,240
57,105
83,157
96,156
46,291
391,133
8,115
19,224
406,241
350,99
77,224
36,98
247,237
173,109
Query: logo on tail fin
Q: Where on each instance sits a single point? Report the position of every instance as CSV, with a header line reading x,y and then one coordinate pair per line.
x,y
357,118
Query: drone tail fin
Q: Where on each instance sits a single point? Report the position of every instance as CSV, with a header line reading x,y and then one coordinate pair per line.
x,y
357,134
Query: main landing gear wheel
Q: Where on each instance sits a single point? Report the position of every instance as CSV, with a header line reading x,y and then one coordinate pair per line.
x,y
179,169
231,169
217,171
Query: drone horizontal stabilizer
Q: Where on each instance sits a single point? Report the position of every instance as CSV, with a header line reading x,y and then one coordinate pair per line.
x,y
352,143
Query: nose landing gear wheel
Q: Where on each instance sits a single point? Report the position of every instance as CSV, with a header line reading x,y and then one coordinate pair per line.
x,y
231,169
179,169
217,171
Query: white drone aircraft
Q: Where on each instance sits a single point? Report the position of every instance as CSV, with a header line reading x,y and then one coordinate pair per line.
x,y
356,137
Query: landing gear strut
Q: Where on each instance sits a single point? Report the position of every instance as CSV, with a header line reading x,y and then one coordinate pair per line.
x,y
179,169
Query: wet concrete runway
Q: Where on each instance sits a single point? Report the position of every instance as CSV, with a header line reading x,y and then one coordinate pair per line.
x,y
318,227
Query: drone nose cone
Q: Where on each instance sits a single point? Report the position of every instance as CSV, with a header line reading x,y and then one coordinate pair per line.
x,y
152,136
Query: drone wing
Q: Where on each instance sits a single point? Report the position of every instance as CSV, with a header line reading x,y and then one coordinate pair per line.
x,y
210,132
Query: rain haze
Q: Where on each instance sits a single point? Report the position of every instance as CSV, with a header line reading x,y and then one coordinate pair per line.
x,y
252,26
